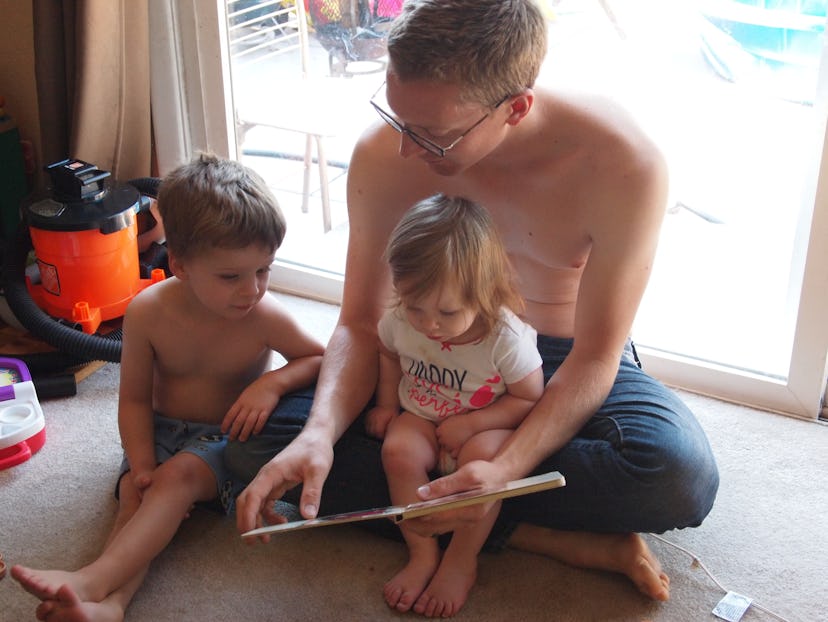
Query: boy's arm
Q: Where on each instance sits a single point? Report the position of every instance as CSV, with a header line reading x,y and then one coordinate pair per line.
x,y
135,412
303,354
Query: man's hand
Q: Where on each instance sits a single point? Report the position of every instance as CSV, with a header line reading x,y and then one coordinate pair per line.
x,y
307,460
476,475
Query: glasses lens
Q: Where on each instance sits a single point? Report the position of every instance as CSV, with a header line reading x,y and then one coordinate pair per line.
x,y
426,144
419,140
387,118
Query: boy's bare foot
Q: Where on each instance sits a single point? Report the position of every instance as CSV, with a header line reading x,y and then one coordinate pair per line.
x,y
403,589
447,592
67,607
624,553
43,584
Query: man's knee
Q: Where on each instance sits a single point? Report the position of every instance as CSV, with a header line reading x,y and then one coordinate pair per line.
x,y
689,485
244,459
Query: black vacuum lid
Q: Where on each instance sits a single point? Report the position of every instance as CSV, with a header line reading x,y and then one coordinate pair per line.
x,y
83,197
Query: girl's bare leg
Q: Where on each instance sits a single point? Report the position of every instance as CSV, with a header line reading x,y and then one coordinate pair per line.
x,y
409,452
449,588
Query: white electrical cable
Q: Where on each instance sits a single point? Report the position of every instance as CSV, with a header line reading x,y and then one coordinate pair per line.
x,y
696,560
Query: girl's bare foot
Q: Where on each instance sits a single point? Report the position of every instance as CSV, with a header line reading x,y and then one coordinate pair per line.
x,y
447,592
403,589
624,553
67,607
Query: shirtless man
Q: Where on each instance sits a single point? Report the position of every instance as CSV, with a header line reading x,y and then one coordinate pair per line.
x,y
578,193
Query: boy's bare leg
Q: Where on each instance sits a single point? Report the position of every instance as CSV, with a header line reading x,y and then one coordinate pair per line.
x,y
132,545
447,592
67,607
409,451
624,553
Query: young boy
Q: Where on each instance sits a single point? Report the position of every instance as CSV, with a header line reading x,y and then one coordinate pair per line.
x,y
195,368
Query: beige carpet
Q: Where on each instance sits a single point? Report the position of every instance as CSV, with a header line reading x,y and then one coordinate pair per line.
x,y
765,537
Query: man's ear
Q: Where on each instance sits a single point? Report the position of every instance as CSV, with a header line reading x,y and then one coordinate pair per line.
x,y
519,106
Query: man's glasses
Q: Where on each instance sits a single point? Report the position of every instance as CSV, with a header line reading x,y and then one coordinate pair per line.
x,y
421,141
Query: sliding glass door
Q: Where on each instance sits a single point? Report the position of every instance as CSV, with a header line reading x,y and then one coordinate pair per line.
x,y
733,93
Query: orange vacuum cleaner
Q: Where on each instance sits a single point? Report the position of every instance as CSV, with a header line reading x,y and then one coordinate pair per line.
x,y
85,239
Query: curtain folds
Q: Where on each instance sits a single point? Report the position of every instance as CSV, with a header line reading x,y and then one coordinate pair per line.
x,y
93,81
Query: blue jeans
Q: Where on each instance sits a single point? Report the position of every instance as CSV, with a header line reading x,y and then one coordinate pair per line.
x,y
641,464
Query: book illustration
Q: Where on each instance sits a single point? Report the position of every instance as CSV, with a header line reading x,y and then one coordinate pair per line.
x,y
398,513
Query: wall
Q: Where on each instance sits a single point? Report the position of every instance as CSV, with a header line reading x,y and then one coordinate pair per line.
x,y
17,73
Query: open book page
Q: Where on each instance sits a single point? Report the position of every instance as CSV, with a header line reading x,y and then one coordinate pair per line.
x,y
398,513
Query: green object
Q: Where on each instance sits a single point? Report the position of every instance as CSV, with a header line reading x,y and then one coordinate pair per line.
x,y
12,177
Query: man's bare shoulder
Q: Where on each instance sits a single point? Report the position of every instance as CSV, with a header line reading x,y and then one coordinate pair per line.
x,y
379,177
605,126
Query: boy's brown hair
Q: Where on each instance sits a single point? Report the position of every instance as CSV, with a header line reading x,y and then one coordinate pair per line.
x,y
214,202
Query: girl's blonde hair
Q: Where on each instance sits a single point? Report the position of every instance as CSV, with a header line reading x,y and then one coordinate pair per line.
x,y
451,240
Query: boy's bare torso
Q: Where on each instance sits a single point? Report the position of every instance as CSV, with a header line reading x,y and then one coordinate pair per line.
x,y
202,363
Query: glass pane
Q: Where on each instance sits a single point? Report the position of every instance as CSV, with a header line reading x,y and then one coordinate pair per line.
x,y
725,87
327,96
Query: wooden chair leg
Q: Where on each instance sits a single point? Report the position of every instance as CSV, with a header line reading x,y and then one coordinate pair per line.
x,y
306,180
323,181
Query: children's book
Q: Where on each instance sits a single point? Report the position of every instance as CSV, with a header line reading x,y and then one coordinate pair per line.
x,y
399,513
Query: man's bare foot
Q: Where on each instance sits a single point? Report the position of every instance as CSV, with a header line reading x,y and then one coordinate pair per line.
x,y
67,607
447,592
403,589
624,553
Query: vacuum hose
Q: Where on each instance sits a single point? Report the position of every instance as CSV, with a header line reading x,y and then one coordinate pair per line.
x,y
57,333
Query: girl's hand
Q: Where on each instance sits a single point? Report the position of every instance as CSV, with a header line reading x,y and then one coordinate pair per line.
x,y
377,420
452,433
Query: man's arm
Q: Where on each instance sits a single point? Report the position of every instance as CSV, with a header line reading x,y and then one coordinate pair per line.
x,y
624,231
349,367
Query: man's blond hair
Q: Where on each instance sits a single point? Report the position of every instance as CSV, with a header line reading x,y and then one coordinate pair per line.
x,y
490,48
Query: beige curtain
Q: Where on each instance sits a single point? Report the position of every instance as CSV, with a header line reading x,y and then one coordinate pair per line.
x,y
93,81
